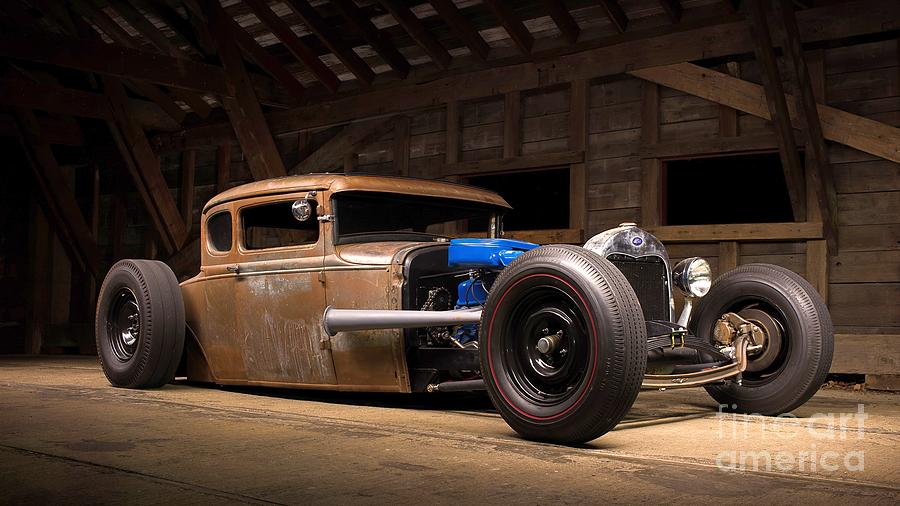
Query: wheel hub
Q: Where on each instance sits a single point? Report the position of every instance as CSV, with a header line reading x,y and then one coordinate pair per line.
x,y
770,339
124,324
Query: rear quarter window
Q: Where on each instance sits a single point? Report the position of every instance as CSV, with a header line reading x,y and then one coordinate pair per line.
x,y
218,232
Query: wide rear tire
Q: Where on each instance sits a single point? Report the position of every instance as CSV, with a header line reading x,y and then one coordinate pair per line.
x,y
582,380
140,324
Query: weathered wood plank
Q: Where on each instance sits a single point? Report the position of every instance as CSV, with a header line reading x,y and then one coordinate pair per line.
x,y
567,25
817,266
738,232
866,354
535,161
56,99
615,14
865,304
560,236
865,267
855,131
186,192
729,255
512,24
401,146
453,132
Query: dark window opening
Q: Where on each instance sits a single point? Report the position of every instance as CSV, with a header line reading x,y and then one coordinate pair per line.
x,y
274,226
218,232
539,199
726,189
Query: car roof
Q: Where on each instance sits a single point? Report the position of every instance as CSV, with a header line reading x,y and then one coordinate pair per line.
x,y
359,182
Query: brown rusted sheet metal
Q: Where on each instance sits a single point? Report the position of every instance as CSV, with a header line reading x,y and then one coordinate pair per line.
x,y
339,183
257,314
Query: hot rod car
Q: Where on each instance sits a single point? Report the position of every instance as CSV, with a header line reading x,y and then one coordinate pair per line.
x,y
352,282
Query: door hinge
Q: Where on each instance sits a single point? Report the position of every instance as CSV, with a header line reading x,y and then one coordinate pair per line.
x,y
322,277
326,217
325,343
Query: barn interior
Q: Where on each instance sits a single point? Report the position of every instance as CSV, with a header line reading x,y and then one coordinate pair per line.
x,y
739,131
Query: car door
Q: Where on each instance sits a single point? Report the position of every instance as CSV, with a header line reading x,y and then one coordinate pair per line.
x,y
279,291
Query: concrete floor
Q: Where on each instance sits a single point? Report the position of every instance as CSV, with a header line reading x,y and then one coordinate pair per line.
x,y
67,436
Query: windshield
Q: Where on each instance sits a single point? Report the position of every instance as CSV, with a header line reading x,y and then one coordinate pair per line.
x,y
378,216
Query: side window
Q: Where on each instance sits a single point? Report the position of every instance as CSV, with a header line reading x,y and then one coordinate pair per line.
x,y
288,223
218,232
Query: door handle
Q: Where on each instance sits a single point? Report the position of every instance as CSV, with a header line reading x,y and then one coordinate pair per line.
x,y
233,268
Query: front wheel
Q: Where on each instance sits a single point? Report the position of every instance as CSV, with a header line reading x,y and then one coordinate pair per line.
x,y
798,337
563,345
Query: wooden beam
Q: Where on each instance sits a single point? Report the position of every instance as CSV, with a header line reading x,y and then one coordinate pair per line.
x,y
817,266
819,171
778,109
453,133
332,40
177,24
293,43
353,138
54,131
795,231
861,133
418,32
563,19
379,41
143,166
534,161
651,168
682,43
223,167
243,110
401,146
55,99
158,97
186,192
711,146
463,29
728,118
512,24
615,14
512,123
672,8
60,205
114,60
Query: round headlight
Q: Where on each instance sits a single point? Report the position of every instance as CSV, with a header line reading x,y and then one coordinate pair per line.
x,y
692,276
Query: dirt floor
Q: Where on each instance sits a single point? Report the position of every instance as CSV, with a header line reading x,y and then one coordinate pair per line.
x,y
67,436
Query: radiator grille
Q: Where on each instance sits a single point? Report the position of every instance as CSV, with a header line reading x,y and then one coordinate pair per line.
x,y
650,279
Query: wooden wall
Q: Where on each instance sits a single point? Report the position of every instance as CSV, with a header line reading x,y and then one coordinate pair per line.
x,y
613,135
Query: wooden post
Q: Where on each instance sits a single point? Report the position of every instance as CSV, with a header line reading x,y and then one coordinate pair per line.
x,y
651,168
223,167
39,280
729,256
778,109
728,119
512,123
401,146
579,105
453,133
820,172
188,171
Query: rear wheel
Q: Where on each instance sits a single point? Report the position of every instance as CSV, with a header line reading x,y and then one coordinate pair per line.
x,y
563,345
798,340
140,324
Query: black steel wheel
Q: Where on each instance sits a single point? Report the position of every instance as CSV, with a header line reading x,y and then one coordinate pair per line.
x,y
798,337
140,324
563,345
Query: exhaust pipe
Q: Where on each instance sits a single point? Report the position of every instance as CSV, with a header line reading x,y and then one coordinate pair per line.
x,y
343,320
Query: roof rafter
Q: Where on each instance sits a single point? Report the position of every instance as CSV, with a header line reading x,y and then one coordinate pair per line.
x,y
513,25
297,47
378,39
567,25
462,28
615,14
673,9
418,32
332,40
